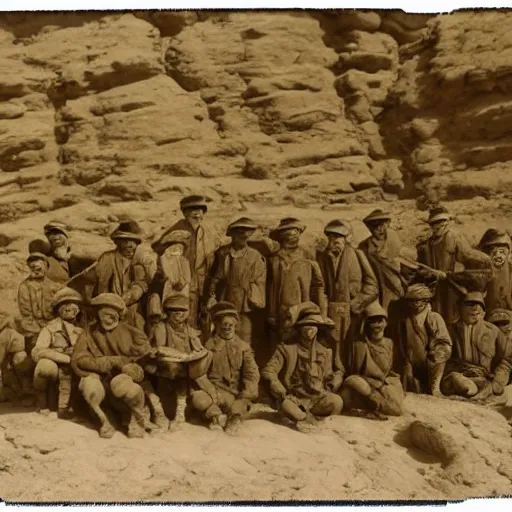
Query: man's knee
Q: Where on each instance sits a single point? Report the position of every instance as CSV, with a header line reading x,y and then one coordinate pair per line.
x,y
292,410
46,369
123,387
92,389
201,400
328,405
240,407
21,361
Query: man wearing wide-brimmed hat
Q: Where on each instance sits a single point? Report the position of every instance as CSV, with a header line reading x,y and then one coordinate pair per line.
x,y
294,277
35,297
350,285
424,343
240,277
442,251
372,385
53,349
119,271
481,360
232,376
498,291
109,357
200,251
300,374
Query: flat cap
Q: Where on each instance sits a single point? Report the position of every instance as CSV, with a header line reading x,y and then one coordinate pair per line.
x,y
500,316
224,308
377,215
493,237
337,227
127,230
194,202
315,320
438,214
109,300
287,223
418,291
474,297
242,223
65,295
176,303
55,227
35,256
375,310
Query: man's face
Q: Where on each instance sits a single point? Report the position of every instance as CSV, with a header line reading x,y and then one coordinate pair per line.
x,y
178,317
240,236
308,333
68,311
290,237
504,326
336,243
109,318
417,306
193,215
57,240
439,227
379,229
226,327
126,247
377,324
499,255
37,268
471,312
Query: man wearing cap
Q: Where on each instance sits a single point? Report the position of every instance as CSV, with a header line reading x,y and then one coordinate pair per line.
x,y
497,245
200,251
442,251
232,376
300,374
119,271
35,296
171,275
294,277
372,385
106,358
240,277
350,285
424,343
481,359
180,355
53,349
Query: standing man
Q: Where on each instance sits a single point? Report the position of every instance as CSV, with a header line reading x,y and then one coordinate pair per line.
x,y
240,277
441,252
350,285
497,245
294,277
119,272
200,251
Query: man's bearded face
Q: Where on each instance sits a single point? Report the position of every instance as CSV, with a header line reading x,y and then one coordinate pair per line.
x,y
178,317
38,269
126,247
336,244
417,306
68,311
240,236
440,227
194,215
290,237
377,325
471,312
226,327
308,333
57,240
499,255
109,318
379,229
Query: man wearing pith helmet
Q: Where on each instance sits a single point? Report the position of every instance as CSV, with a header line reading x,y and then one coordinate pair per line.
x,y
232,376
200,251
350,285
240,277
53,349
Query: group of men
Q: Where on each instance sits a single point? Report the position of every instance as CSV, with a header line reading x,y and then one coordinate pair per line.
x,y
140,340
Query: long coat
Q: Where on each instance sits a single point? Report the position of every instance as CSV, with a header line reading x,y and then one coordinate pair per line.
x,y
442,254
499,289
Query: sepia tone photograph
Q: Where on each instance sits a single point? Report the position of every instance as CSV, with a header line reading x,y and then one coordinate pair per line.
x,y
255,256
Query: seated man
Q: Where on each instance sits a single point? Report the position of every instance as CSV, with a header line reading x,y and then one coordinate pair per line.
x,y
106,359
481,360
232,376
372,385
301,375
53,349
15,365
179,356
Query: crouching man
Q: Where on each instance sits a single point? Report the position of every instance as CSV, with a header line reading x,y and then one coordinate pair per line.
x,y
372,386
301,374
481,359
180,357
232,376
106,359
53,349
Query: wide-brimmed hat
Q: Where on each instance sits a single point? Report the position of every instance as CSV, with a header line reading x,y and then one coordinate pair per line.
x,y
127,230
308,313
194,201
493,237
55,227
35,256
284,224
242,223
474,297
500,316
109,300
377,215
176,303
375,310
438,214
180,236
337,227
418,291
224,308
65,295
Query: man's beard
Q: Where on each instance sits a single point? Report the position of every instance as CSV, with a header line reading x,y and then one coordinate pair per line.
x,y
61,253
291,244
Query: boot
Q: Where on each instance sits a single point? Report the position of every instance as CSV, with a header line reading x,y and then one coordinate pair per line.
x,y
181,405
107,430
135,430
436,375
42,403
233,425
218,422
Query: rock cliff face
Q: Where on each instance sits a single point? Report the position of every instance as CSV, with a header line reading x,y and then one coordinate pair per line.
x,y
325,106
